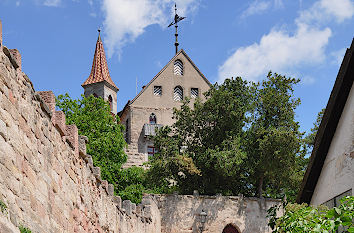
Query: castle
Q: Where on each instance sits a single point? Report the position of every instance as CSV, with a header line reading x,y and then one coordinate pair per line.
x,y
48,182
153,107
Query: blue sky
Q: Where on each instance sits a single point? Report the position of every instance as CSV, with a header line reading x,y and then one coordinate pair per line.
x,y
302,39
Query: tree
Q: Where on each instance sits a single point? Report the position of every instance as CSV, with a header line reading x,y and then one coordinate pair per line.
x,y
106,144
304,218
310,138
273,141
242,139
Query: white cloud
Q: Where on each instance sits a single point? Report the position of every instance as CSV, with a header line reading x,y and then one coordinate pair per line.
x,y
18,3
53,3
276,51
282,51
256,7
325,10
126,20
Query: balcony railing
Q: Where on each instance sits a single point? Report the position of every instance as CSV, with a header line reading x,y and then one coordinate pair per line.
x,y
151,129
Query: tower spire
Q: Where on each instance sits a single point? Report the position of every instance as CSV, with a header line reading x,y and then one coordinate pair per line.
x,y
174,22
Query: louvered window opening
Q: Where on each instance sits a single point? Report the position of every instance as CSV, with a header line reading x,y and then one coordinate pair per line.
x,y
178,94
157,90
194,93
178,67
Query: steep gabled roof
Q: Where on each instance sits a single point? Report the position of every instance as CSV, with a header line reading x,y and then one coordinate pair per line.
x,y
327,128
184,53
99,71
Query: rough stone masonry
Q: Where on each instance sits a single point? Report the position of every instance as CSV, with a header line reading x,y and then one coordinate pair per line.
x,y
49,183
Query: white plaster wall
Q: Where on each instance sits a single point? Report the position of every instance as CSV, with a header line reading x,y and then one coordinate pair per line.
x,y
337,174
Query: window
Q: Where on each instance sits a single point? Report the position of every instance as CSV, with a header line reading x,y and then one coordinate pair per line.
x,y
178,67
335,202
110,101
152,119
151,150
178,93
127,131
194,93
157,90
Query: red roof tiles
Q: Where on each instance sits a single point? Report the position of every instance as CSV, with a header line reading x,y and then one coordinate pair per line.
x,y
99,71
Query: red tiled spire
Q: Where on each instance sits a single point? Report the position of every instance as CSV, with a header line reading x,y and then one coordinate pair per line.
x,y
99,71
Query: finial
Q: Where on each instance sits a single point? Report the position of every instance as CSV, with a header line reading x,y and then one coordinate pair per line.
x,y
174,22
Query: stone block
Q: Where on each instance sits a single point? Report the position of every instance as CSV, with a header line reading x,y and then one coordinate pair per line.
x,y
17,56
3,130
89,159
73,137
117,200
110,189
82,145
49,98
43,105
59,122
97,172
127,205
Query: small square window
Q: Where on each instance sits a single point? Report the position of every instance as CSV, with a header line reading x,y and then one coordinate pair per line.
x,y
151,150
157,90
194,93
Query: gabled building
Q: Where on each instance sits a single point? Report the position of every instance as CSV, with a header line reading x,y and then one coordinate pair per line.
x,y
330,173
100,83
153,107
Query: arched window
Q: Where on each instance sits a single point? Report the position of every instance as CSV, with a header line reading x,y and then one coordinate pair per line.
x,y
152,119
178,94
110,101
178,67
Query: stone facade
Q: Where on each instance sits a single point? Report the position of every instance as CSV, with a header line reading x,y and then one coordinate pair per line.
x,y
181,213
48,182
137,112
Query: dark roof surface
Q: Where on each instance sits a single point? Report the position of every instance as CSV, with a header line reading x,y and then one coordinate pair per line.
x,y
327,128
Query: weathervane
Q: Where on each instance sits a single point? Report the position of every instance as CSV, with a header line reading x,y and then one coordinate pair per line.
x,y
174,22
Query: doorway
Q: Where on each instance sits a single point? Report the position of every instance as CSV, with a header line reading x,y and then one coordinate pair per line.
x,y
230,229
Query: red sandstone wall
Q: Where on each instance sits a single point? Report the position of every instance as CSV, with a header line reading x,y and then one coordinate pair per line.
x,y
47,180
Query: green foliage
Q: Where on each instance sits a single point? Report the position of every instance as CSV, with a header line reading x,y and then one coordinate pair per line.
x,y
310,138
304,218
242,139
24,229
131,184
106,143
3,207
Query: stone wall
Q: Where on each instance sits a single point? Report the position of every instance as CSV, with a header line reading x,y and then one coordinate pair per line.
x,y
181,213
48,182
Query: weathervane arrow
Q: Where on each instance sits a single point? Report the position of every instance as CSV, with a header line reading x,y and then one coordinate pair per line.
x,y
174,22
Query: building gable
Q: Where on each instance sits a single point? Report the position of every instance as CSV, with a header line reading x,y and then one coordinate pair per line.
x,y
169,78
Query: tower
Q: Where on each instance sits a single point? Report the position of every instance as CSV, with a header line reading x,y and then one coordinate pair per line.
x,y
99,83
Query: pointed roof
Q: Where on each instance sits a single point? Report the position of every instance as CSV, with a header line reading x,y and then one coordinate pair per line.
x,y
99,71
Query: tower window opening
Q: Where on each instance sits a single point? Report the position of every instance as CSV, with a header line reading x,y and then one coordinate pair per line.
x,y
178,94
178,67
110,101
152,119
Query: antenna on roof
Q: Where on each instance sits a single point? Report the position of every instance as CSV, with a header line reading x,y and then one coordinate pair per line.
x,y
174,22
